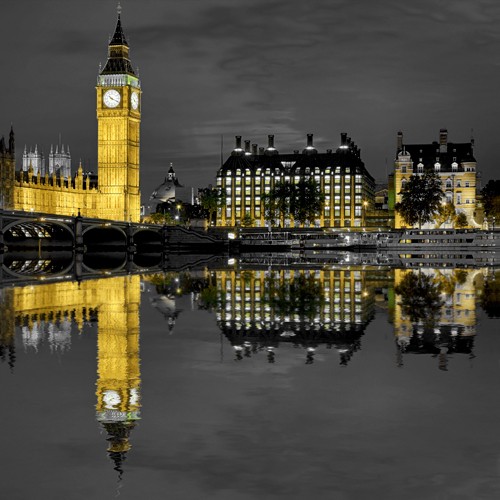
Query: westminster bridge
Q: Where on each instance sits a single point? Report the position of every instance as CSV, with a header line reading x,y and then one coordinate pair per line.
x,y
53,246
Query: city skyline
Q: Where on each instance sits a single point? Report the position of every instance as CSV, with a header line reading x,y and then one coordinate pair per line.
x,y
226,69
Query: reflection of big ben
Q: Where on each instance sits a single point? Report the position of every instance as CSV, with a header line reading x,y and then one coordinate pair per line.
x,y
119,117
118,398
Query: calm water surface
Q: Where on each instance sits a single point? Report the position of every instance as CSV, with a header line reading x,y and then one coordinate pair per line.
x,y
253,383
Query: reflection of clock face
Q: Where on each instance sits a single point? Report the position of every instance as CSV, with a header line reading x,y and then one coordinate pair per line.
x,y
134,100
134,396
111,399
112,98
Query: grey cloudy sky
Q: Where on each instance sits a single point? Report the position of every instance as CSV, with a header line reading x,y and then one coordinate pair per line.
x,y
234,67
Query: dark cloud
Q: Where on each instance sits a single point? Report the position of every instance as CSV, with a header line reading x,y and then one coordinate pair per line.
x,y
240,68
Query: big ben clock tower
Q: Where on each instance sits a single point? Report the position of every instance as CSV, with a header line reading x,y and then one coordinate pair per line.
x,y
118,119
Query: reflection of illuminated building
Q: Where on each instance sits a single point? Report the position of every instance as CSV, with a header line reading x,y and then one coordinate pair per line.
x,y
45,315
7,329
258,310
454,328
118,399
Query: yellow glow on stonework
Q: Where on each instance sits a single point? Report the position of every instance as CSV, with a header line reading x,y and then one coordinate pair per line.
x,y
117,196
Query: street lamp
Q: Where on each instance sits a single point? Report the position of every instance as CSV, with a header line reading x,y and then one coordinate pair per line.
x,y
365,204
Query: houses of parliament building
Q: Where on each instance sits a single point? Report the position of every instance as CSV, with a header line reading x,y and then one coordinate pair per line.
x,y
115,193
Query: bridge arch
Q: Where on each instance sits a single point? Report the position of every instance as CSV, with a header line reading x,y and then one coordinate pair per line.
x,y
38,228
98,236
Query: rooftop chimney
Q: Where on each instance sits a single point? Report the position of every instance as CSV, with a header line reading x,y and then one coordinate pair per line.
x,y
237,147
443,140
247,147
309,148
343,140
271,150
261,150
400,141
254,149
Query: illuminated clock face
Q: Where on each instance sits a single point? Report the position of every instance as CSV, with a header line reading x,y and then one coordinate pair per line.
x,y
134,100
111,98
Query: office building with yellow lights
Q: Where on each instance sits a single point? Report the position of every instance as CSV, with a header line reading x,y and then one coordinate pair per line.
x,y
115,193
251,172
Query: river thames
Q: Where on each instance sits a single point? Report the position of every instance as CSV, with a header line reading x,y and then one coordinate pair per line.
x,y
240,381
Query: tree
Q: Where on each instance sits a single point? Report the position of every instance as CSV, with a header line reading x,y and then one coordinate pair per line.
x,y
308,201
277,203
446,213
303,201
461,220
247,220
491,201
420,298
421,198
161,218
211,199
490,298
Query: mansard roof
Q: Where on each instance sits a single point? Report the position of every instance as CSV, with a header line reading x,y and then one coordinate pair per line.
x,y
429,154
296,163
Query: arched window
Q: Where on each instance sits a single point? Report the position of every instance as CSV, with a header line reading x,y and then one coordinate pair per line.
x,y
449,184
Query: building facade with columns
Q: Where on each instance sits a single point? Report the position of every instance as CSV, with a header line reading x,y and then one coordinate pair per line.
x,y
251,172
453,162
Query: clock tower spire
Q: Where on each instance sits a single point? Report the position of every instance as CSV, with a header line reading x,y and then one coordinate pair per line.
x,y
118,118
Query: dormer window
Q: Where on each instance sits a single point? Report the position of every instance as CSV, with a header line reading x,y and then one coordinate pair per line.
x,y
420,167
437,167
454,166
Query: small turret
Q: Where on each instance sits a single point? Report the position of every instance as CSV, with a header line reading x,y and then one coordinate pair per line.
x,y
12,142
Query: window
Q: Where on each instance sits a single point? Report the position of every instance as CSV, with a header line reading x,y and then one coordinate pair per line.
x,y
448,184
420,167
467,184
437,166
403,169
